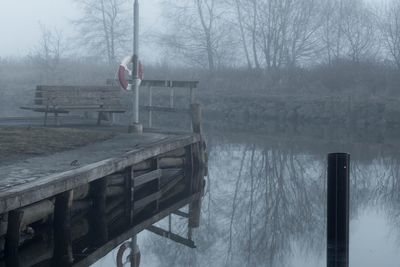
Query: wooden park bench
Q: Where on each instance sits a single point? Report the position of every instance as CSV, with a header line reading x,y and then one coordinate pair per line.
x,y
65,99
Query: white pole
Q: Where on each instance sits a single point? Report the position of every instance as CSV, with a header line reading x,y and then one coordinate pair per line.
x,y
135,73
135,62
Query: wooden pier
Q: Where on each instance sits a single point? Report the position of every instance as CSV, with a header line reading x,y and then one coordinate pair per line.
x,y
72,208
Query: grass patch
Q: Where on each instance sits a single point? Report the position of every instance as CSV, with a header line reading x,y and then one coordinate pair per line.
x,y
23,142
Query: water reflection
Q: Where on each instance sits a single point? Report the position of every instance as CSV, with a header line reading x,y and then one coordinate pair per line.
x,y
265,203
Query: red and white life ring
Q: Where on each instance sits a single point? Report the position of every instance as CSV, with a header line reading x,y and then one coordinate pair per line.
x,y
133,256
123,68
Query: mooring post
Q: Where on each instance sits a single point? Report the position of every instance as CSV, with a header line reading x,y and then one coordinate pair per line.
x,y
62,229
338,210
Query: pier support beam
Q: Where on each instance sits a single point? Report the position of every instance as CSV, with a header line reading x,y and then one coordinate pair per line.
x,y
13,237
99,195
62,229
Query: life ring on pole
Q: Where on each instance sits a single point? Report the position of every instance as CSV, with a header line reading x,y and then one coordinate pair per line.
x,y
123,68
132,257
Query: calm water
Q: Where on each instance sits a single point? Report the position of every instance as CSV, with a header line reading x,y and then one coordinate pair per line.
x,y
266,197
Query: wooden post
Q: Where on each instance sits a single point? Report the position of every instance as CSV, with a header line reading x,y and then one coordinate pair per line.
x,y
13,237
188,169
190,233
170,223
62,229
46,114
135,255
99,228
197,181
196,118
150,105
191,96
171,97
155,165
198,166
129,195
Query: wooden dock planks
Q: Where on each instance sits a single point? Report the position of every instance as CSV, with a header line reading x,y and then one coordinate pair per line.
x,y
45,184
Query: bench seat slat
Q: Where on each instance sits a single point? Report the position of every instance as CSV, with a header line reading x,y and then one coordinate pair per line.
x,y
64,99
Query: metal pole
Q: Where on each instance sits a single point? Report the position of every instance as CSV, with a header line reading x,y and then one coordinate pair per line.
x,y
135,253
338,210
135,74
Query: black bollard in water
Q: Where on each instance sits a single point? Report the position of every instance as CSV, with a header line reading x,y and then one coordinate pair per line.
x,y
338,210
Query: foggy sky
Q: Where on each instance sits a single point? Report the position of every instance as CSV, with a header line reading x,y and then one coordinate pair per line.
x,y
20,21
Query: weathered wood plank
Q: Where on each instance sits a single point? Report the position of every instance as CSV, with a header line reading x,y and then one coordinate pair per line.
x,y
171,162
165,109
148,177
181,214
147,200
172,236
28,193
162,83
36,212
62,99
174,154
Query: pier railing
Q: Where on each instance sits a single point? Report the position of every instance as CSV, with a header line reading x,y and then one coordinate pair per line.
x,y
170,105
171,86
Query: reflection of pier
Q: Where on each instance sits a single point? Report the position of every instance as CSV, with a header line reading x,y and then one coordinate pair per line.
x,y
75,215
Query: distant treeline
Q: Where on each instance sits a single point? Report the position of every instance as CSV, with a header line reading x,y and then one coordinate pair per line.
x,y
272,35
361,93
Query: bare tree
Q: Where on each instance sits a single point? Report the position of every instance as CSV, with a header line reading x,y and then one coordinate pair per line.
x,y
333,12
104,27
302,39
390,27
199,34
239,12
47,54
359,30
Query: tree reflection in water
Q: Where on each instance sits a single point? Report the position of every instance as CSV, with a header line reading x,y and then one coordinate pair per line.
x,y
265,203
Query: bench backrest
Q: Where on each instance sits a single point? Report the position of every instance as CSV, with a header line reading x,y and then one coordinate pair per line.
x,y
78,96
